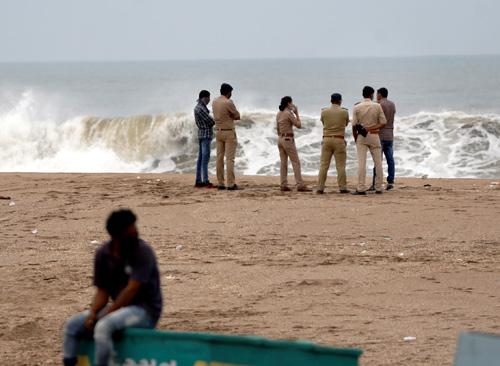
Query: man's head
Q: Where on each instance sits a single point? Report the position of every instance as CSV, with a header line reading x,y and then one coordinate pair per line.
x,y
204,97
368,92
382,93
123,231
226,90
336,98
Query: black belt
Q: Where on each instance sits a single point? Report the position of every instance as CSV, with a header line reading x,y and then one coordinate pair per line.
x,y
335,136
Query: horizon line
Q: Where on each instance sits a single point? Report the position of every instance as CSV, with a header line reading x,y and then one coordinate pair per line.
x,y
246,59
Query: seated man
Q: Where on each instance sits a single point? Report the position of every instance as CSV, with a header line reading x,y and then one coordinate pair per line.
x,y
126,271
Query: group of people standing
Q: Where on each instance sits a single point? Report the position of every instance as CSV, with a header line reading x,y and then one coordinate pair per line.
x,y
372,124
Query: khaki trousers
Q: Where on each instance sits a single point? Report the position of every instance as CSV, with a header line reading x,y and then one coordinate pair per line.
x,y
286,146
226,146
333,146
370,142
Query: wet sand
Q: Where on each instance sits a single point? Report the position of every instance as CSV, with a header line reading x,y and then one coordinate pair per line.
x,y
336,269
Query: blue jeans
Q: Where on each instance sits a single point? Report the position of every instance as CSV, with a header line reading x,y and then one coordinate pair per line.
x,y
74,330
388,151
203,159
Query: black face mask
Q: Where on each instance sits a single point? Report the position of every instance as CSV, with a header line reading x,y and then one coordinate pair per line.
x,y
128,246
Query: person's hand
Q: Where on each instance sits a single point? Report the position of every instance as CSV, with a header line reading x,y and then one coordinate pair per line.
x,y
90,321
294,109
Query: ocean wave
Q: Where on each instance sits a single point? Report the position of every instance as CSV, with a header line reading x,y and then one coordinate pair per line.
x,y
445,144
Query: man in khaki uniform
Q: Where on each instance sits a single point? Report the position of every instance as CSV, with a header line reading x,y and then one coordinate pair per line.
x,y
370,117
334,119
225,113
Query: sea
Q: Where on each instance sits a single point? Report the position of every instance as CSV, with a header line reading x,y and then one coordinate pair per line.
x,y
138,116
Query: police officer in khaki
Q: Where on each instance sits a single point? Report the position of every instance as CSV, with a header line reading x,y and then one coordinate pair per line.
x,y
334,119
367,119
225,113
287,117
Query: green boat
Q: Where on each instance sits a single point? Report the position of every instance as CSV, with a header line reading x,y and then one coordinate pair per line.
x,y
145,347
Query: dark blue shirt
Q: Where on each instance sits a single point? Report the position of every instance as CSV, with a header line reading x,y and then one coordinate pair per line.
x,y
113,273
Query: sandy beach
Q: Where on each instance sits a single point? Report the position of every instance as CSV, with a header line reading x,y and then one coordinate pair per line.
x,y
346,271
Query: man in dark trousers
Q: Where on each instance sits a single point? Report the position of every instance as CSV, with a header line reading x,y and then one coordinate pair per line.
x,y
387,137
125,270
205,124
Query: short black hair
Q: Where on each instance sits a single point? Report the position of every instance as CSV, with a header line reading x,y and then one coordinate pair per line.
x,y
204,94
368,91
119,221
383,92
225,89
336,97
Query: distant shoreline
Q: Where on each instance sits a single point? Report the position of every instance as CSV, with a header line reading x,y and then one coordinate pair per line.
x,y
243,59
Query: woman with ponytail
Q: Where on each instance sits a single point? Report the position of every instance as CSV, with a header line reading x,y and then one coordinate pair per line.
x,y
288,116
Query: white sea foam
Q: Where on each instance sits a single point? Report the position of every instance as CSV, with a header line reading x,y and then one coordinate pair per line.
x,y
447,144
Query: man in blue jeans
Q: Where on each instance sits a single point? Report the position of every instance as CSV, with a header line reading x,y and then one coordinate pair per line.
x,y
125,270
387,137
205,125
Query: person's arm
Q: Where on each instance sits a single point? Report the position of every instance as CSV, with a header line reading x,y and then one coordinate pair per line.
x,y
233,111
354,123
205,120
381,120
295,117
143,265
126,296
198,118
101,298
346,117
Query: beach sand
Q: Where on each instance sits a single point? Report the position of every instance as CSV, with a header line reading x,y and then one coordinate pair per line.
x,y
336,269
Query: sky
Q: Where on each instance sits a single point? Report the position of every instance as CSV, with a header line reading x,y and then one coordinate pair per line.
x,y
132,30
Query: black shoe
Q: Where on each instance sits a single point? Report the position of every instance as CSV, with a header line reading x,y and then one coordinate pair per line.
x,y
389,186
304,189
358,193
285,189
221,187
234,188
378,192
344,191
371,189
199,185
320,191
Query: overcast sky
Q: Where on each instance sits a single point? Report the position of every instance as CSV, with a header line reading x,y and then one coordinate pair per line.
x,y
85,30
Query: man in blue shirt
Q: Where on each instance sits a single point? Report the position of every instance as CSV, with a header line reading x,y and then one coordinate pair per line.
x,y
205,124
125,271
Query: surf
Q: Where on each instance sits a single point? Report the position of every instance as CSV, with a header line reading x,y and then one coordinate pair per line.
x,y
450,144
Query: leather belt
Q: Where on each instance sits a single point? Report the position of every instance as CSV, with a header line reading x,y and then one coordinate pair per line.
x,y
286,135
225,129
335,136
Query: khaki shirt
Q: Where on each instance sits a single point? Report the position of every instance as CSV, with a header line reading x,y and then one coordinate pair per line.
x,y
368,114
225,113
285,121
334,119
389,108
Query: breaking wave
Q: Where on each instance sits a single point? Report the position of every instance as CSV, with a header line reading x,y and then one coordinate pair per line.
x,y
447,144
